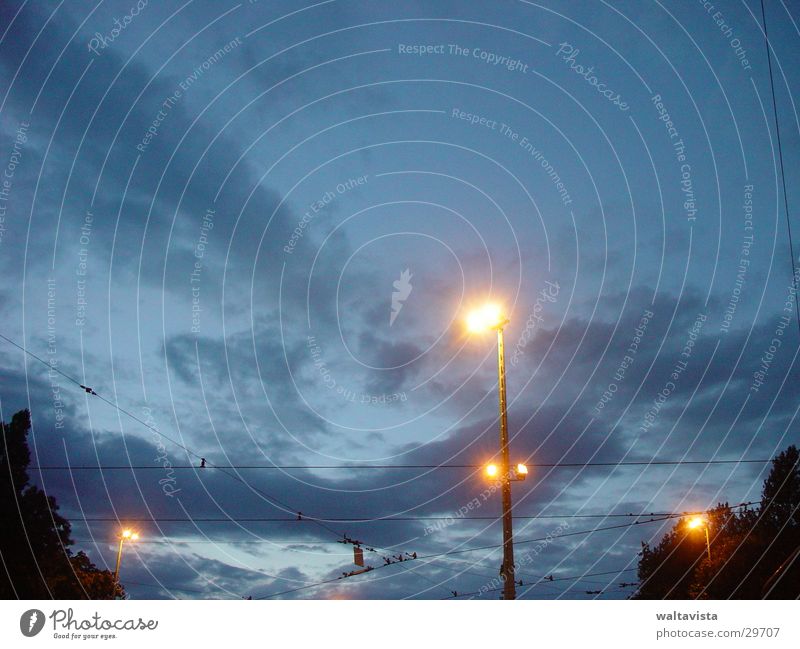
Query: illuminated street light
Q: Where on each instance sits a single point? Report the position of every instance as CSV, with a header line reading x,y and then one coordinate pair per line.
x,y
125,535
486,318
519,472
700,521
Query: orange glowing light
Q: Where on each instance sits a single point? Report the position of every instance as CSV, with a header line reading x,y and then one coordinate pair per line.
x,y
489,316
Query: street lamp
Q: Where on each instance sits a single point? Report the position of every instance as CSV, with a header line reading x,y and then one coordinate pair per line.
x,y
517,473
700,521
125,535
486,318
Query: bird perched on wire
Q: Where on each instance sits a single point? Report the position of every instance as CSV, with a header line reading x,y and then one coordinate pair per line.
x,y
202,463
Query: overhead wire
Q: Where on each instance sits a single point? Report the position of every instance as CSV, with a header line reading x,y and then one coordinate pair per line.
x,y
343,537
269,497
356,467
449,553
546,580
454,519
780,157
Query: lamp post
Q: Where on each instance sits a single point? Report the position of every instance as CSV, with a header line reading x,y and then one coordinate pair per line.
x,y
126,535
489,318
700,521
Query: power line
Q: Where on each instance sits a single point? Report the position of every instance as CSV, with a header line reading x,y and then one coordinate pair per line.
x,y
320,522
327,581
205,463
349,467
564,535
450,553
528,586
346,539
780,156
544,581
540,580
543,538
488,547
167,541
454,519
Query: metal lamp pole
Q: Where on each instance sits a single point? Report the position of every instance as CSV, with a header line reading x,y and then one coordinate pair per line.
x,y
486,318
701,521
119,560
509,585
125,535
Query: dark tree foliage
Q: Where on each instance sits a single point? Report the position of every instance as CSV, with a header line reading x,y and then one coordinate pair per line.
x,y
754,552
781,493
35,559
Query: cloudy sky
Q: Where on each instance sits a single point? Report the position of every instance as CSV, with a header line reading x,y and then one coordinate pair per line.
x,y
257,227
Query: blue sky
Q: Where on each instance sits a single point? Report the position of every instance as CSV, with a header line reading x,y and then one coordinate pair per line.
x,y
219,201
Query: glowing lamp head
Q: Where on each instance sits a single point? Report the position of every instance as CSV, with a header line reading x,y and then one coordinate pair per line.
x,y
695,522
522,471
491,470
126,534
487,317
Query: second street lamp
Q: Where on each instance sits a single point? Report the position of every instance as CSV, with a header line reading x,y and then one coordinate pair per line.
x,y
487,318
700,521
125,535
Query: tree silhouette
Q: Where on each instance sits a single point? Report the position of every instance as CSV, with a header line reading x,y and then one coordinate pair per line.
x,y
35,559
781,493
753,551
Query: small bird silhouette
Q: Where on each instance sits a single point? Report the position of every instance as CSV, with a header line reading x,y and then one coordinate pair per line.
x,y
202,463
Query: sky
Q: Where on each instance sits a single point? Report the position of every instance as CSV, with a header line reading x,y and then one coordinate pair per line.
x,y
255,229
